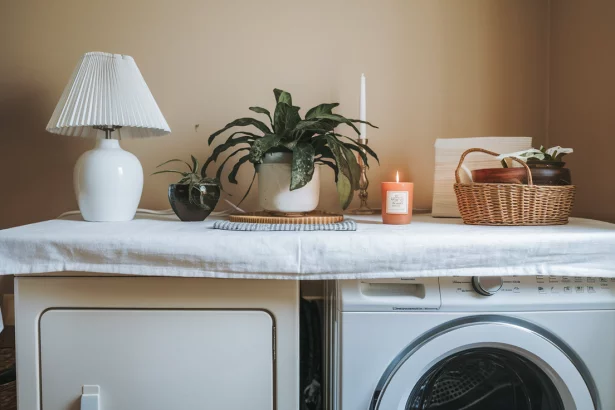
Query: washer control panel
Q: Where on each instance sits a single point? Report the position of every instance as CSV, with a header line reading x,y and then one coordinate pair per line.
x,y
550,292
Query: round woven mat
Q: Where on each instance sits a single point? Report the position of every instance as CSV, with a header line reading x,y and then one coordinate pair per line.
x,y
310,218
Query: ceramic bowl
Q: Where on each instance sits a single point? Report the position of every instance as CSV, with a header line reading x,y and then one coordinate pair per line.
x,y
540,176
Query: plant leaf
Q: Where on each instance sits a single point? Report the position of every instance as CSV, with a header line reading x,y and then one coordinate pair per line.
x,y
320,147
345,161
369,151
195,164
305,130
173,160
286,117
353,165
364,122
320,109
358,150
230,142
221,168
249,188
320,126
339,120
340,160
325,152
241,122
289,144
232,177
302,168
261,110
344,190
282,96
330,165
262,145
172,171
365,147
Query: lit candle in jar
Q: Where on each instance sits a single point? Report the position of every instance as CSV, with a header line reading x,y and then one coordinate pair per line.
x,y
397,202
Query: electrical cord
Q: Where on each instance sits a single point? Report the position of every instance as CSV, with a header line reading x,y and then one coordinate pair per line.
x,y
233,208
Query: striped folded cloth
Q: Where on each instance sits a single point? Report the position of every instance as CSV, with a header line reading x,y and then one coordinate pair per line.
x,y
346,225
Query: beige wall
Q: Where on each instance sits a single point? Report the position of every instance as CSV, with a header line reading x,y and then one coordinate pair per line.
x,y
435,68
582,99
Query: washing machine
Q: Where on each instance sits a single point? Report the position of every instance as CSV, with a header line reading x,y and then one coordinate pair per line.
x,y
452,343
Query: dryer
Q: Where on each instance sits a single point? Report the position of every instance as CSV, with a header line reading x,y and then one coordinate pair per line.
x,y
539,343
150,343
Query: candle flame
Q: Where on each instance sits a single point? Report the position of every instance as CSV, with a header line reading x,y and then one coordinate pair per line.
x,y
397,177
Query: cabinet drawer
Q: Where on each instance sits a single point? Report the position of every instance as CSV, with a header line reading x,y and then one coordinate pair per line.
x,y
163,359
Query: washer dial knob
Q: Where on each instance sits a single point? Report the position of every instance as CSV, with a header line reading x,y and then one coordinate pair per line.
x,y
487,285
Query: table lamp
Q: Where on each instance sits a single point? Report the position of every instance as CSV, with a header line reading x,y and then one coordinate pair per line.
x,y
107,97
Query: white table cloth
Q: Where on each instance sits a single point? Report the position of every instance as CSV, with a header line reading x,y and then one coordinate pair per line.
x,y
164,246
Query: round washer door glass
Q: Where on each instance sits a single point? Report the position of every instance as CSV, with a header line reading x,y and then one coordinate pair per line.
x,y
484,365
485,378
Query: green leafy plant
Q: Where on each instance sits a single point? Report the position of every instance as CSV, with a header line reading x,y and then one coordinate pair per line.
x,y
197,183
554,154
311,140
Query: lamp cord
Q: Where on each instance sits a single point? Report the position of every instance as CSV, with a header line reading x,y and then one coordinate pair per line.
x,y
233,208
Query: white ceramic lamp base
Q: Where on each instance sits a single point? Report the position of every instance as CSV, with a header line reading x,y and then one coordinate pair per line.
x,y
108,183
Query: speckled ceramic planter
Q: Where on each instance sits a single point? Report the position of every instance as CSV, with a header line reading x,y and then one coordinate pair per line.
x,y
274,194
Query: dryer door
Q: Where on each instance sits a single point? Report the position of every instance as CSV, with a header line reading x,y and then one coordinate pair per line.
x,y
486,362
152,359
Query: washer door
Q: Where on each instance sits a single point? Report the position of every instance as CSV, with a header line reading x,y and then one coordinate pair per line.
x,y
486,362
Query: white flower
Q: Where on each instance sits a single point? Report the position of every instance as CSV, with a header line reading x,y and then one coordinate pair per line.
x,y
554,152
524,155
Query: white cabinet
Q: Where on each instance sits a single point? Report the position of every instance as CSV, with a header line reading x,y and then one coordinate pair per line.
x,y
155,359
157,343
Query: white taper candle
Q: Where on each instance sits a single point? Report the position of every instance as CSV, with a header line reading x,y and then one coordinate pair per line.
x,y
363,109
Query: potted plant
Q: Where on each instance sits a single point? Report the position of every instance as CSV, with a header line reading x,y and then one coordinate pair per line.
x,y
546,166
540,158
194,196
286,151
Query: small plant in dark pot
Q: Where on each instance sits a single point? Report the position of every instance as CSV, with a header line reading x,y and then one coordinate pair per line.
x,y
194,196
545,164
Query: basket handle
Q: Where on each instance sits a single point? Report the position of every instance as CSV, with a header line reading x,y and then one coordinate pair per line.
x,y
530,181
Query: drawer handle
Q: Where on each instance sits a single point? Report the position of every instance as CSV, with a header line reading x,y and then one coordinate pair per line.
x,y
90,398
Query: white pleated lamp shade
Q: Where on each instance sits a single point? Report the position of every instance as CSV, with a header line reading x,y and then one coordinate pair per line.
x,y
107,90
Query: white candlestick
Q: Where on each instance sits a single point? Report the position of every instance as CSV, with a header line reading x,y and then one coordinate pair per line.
x,y
363,110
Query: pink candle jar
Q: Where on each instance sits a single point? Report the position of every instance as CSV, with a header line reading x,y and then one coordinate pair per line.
x,y
397,202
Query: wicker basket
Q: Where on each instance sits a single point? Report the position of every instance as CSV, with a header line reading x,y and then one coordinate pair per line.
x,y
512,204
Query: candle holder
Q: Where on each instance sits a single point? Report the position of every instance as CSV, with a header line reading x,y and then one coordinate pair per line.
x,y
363,208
